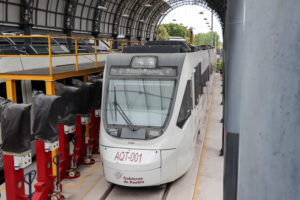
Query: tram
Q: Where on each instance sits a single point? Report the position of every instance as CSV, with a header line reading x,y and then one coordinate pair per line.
x,y
152,105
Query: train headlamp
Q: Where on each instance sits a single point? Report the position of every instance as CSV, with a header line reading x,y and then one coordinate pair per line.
x,y
144,62
113,131
154,133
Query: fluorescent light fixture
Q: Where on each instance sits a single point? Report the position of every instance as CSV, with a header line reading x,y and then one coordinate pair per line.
x,y
102,8
148,5
125,15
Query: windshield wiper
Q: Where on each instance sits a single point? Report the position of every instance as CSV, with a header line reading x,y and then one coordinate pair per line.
x,y
122,113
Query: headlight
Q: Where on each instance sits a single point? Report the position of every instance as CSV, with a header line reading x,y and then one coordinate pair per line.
x,y
112,131
154,133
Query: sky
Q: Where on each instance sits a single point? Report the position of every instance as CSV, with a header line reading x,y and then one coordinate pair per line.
x,y
189,16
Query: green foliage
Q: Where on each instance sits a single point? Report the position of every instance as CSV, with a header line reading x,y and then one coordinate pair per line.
x,y
162,33
181,31
176,30
219,64
205,39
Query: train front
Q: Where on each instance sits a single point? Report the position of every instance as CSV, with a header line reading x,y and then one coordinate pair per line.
x,y
138,99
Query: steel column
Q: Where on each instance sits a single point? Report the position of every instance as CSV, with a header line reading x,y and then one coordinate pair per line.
x,y
233,77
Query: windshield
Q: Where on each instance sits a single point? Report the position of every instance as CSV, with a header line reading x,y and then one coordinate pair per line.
x,y
143,102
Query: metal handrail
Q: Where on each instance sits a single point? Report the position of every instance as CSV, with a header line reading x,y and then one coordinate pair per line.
x,y
76,54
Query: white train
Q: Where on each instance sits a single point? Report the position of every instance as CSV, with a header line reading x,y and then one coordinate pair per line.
x,y
152,104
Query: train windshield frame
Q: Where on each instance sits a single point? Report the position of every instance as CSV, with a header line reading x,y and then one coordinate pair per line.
x,y
145,102
138,105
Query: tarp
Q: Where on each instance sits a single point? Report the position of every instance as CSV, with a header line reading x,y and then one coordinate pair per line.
x,y
15,126
85,102
96,93
46,109
70,103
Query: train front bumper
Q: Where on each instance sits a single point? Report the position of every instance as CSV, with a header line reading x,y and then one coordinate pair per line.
x,y
131,167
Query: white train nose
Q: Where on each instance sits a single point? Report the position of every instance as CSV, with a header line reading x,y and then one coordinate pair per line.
x,y
131,167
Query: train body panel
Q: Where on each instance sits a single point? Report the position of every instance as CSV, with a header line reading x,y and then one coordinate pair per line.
x,y
130,156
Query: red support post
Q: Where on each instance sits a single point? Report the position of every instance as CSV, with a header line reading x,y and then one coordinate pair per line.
x,y
93,131
65,150
44,186
14,182
80,142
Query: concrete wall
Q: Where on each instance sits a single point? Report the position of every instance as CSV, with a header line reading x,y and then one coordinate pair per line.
x,y
269,153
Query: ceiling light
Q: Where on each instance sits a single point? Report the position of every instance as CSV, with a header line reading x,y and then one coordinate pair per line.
x,y
148,5
102,8
125,15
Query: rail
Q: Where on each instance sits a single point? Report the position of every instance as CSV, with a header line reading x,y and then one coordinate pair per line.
x,y
76,54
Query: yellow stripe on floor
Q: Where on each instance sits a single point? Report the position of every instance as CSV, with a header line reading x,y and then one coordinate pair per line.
x,y
204,145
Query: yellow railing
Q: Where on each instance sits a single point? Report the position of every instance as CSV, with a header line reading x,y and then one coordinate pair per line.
x,y
76,54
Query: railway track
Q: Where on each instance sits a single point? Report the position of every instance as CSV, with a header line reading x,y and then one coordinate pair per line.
x,y
127,193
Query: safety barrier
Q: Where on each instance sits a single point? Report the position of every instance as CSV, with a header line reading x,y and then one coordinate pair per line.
x,y
76,53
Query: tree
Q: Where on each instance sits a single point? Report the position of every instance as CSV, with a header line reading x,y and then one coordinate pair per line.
x,y
162,33
176,30
205,39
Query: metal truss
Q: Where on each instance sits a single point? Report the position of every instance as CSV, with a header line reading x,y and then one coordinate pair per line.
x,y
97,18
27,12
69,15
133,13
115,17
143,17
213,5
159,11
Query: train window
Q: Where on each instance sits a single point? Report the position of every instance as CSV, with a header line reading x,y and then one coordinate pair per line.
x,y
186,106
197,84
143,102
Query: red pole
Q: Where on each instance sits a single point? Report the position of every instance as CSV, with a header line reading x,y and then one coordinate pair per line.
x,y
64,148
44,186
80,143
14,183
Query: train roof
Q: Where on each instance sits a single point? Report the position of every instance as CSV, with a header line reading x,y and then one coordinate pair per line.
x,y
160,47
164,47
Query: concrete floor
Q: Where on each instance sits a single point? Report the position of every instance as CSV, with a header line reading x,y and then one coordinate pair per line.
x,y
211,179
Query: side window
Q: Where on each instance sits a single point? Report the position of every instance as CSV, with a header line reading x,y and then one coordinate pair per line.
x,y
186,106
197,85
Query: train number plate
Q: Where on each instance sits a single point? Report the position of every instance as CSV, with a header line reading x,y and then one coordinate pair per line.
x,y
127,156
131,156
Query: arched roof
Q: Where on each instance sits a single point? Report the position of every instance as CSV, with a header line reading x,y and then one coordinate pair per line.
x,y
101,18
